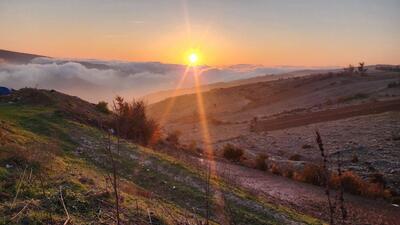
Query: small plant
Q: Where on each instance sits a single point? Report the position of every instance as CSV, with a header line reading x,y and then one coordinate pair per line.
x,y
275,169
354,159
393,84
312,174
361,69
260,162
306,146
350,69
295,157
102,106
173,137
232,153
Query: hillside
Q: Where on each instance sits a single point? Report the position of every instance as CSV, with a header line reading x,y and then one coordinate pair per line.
x,y
16,57
162,95
357,115
53,165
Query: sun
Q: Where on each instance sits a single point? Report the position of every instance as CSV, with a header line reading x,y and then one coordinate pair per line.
x,y
192,58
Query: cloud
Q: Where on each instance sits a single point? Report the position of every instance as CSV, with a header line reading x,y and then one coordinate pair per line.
x,y
96,80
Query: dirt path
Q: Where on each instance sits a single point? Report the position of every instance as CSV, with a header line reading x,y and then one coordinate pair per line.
x,y
308,198
328,115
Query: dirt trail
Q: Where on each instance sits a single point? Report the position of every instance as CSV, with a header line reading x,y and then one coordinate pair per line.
x,y
308,198
328,115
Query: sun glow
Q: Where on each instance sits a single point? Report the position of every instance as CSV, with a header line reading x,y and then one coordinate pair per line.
x,y
192,58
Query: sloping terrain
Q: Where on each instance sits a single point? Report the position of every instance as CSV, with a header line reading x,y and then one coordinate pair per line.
x,y
357,115
161,95
53,166
16,57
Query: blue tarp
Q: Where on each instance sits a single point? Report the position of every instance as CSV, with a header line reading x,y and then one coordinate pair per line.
x,y
4,91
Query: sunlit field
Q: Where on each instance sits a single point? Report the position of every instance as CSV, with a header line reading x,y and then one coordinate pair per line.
x,y
206,112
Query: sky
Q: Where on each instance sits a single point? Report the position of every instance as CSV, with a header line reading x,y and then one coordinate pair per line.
x,y
223,32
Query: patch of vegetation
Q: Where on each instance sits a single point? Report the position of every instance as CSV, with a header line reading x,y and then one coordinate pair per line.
x,y
393,84
148,178
232,153
358,96
295,157
261,163
102,107
173,137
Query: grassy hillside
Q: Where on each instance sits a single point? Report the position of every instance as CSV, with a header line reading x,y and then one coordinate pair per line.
x,y
48,158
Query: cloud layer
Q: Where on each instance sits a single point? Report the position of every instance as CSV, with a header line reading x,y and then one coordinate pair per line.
x,y
96,80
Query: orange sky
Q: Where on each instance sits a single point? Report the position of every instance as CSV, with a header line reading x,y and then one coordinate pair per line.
x,y
301,33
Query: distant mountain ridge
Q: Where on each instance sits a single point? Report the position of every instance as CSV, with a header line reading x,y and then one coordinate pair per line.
x,y
16,57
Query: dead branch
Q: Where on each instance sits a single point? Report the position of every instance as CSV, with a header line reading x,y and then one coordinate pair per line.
x,y
65,208
326,175
18,188
26,205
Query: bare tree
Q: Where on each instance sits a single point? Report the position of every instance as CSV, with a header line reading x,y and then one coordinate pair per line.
x,y
361,69
350,69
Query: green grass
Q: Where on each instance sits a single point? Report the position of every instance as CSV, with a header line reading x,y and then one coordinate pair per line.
x,y
179,186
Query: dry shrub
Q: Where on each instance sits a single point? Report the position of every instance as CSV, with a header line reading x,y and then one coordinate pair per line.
x,y
313,174
232,153
289,173
260,162
354,184
173,137
275,169
351,182
354,158
295,157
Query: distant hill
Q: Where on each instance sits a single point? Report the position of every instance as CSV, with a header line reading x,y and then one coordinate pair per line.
x,y
161,95
16,57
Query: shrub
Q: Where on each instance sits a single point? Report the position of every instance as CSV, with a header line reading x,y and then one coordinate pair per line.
x,y
313,174
295,157
232,153
132,122
393,84
357,96
275,169
260,162
173,137
102,106
354,159
377,178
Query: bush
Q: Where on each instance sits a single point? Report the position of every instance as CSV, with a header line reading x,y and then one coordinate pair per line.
x,y
173,137
132,122
354,159
312,174
275,169
352,183
102,106
232,153
260,162
377,178
295,157
393,84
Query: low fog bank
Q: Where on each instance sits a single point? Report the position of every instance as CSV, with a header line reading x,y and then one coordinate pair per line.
x,y
96,80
